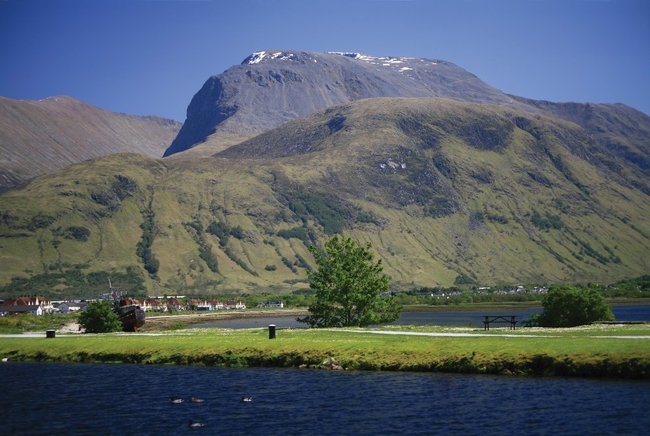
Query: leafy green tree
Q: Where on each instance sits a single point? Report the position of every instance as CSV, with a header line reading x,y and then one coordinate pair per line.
x,y
100,318
347,287
570,306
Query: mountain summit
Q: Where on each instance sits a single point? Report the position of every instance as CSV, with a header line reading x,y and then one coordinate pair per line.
x,y
272,87
451,180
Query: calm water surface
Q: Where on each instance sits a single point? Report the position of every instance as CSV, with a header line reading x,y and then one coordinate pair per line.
x,y
77,399
458,318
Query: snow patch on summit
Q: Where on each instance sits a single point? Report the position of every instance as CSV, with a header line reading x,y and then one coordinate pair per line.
x,y
384,61
401,64
259,56
256,57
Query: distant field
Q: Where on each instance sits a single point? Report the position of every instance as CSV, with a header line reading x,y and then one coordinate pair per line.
x,y
615,351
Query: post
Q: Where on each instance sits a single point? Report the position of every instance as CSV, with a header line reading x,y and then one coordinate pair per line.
x,y
271,331
50,334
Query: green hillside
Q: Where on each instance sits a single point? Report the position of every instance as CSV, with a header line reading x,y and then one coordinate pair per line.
x,y
440,188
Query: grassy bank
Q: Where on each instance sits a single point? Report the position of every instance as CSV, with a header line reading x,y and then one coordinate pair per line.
x,y
594,351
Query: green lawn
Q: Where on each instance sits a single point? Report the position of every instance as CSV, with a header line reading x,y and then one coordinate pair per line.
x,y
598,351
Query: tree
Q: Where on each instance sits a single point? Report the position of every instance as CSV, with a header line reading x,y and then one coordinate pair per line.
x,y
99,317
348,287
570,306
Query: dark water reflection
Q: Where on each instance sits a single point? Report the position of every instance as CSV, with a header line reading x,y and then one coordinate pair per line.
x,y
76,399
457,318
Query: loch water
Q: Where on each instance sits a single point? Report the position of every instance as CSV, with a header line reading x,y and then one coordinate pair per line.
x,y
98,399
95,399
474,319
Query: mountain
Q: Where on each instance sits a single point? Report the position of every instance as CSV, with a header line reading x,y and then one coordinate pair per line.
x,y
621,130
40,137
446,191
275,86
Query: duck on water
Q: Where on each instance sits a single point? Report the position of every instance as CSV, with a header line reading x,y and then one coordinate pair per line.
x,y
193,424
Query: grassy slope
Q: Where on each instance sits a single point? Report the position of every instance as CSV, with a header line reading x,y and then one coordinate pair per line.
x,y
498,170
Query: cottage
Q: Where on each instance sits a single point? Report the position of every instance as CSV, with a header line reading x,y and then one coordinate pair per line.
x,y
20,309
31,300
174,304
233,305
70,306
274,303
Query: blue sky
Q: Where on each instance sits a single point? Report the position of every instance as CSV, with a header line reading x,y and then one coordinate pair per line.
x,y
149,57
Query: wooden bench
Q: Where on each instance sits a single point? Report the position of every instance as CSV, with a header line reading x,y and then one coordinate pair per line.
x,y
509,319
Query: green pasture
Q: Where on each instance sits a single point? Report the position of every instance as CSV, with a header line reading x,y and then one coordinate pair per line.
x,y
596,351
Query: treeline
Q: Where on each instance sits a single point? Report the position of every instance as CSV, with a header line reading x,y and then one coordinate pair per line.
x,y
455,296
76,282
637,287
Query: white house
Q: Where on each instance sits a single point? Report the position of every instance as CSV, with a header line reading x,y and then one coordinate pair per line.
x,y
31,300
69,307
233,305
275,303
31,309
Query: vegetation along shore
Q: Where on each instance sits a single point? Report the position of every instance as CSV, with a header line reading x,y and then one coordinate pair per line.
x,y
599,350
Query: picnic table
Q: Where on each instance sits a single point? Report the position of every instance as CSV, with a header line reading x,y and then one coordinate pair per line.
x,y
509,319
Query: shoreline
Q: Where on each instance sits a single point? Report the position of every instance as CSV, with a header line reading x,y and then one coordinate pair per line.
x,y
615,352
161,321
196,318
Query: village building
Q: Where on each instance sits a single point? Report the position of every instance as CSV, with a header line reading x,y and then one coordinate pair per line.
x,y
20,309
67,307
271,303
33,304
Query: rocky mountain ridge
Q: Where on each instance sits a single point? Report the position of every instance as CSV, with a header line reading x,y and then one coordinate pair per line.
x,y
275,86
40,137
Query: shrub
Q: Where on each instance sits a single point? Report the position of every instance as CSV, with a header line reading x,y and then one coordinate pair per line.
x,y
99,317
78,233
569,306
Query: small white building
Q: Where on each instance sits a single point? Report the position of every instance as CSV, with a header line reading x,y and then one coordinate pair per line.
x,y
233,305
271,303
69,307
31,309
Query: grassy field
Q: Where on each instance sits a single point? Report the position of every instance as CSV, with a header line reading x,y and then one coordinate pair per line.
x,y
614,351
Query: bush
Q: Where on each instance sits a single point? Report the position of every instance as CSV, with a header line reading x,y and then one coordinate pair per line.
x,y
78,233
298,233
569,306
99,317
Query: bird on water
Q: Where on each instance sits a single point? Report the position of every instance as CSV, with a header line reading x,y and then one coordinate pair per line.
x,y
247,399
193,424
175,400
